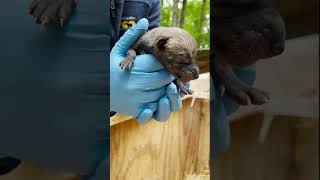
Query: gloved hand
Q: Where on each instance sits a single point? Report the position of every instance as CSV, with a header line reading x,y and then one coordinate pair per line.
x,y
146,91
221,107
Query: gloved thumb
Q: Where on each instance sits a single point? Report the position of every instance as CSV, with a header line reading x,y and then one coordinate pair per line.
x,y
130,37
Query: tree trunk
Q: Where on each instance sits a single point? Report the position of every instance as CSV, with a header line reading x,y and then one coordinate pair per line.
x,y
203,13
183,13
175,13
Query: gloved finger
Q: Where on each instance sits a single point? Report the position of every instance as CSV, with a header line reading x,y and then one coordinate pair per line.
x,y
163,112
130,37
149,81
146,63
150,95
145,116
174,97
147,113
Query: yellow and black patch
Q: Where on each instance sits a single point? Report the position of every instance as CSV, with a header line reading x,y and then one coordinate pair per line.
x,y
127,22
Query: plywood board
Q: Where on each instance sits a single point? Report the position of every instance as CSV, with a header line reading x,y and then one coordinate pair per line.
x,y
290,152
173,150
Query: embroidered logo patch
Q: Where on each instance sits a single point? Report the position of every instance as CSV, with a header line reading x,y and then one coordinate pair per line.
x,y
127,22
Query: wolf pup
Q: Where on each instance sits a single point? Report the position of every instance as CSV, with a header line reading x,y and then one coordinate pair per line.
x,y
175,49
244,31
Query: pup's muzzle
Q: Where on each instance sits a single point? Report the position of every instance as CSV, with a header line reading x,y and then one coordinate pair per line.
x,y
189,73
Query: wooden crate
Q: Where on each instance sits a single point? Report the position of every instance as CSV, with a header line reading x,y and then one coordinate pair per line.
x,y
177,149
174,150
290,151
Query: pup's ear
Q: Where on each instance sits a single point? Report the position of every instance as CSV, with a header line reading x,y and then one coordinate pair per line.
x,y
161,44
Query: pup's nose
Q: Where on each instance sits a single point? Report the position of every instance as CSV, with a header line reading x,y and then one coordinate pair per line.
x,y
189,73
195,72
277,48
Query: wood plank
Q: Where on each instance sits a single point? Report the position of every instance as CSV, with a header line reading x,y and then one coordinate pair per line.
x,y
173,150
305,162
290,152
203,60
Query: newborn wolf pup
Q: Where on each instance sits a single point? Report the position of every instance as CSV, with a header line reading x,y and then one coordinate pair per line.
x,y
244,31
174,48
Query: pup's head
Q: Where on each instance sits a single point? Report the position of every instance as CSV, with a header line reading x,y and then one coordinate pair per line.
x,y
271,27
177,49
265,35
257,35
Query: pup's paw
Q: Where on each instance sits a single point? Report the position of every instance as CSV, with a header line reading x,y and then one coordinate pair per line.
x,y
127,63
243,94
182,88
258,97
51,11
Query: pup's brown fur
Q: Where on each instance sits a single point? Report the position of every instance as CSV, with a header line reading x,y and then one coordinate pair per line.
x,y
51,11
174,48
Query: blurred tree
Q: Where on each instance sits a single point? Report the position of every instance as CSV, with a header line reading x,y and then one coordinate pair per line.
x,y
202,19
194,17
175,15
183,13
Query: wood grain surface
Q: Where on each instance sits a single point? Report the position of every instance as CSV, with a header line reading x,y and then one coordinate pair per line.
x,y
290,152
177,149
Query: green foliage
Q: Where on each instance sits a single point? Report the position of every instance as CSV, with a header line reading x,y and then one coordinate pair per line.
x,y
192,19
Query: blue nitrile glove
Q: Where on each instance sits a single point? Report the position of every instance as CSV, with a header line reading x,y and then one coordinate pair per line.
x,y
146,91
221,107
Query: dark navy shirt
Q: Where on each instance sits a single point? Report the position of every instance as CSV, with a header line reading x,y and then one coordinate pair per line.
x,y
128,12
54,84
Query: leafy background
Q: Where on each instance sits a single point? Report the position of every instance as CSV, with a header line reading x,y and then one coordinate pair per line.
x,y
196,18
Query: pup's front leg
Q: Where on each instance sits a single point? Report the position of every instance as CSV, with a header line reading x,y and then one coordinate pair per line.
x,y
128,61
240,92
182,88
